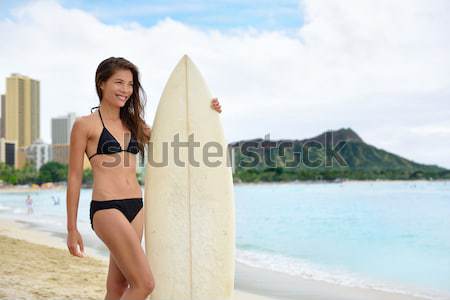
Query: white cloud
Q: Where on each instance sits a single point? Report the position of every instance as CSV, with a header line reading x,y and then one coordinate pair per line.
x,y
379,67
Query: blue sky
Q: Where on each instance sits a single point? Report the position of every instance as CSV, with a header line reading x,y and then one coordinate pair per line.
x,y
223,15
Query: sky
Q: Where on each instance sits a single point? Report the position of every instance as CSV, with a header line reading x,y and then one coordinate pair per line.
x,y
290,69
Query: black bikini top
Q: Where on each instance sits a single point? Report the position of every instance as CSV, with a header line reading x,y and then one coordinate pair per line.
x,y
107,143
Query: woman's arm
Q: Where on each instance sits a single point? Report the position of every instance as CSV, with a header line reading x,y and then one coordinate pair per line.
x,y
78,141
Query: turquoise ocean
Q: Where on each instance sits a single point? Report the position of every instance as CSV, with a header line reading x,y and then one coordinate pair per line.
x,y
385,235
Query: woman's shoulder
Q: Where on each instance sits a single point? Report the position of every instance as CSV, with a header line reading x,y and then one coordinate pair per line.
x,y
84,122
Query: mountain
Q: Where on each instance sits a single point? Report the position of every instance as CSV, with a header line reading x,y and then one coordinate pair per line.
x,y
331,155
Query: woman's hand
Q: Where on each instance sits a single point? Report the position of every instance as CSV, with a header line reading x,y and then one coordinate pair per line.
x,y
73,240
216,105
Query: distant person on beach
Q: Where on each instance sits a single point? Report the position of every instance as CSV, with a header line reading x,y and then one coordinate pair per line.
x,y
55,200
111,137
29,204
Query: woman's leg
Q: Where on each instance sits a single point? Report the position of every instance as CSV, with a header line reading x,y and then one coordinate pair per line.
x,y
116,283
124,242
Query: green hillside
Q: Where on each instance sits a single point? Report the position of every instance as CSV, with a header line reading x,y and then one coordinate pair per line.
x,y
332,155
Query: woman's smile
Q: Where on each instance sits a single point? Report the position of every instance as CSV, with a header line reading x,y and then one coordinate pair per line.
x,y
122,98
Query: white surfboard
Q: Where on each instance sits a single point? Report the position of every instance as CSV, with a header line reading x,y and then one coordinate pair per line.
x,y
189,210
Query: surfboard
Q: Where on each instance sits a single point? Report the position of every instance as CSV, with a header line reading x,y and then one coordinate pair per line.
x,y
189,208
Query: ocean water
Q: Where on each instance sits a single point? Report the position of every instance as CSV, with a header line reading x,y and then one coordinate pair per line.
x,y
391,236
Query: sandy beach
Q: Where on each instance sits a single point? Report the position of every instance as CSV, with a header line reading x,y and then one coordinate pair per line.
x,y
37,265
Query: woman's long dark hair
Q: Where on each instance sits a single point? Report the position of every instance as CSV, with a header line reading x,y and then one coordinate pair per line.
x,y
132,113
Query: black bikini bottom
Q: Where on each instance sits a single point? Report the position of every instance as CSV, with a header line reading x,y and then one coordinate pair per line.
x,y
129,207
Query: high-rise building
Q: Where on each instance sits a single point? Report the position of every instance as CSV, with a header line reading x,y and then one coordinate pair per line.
x,y
22,109
22,113
61,127
2,116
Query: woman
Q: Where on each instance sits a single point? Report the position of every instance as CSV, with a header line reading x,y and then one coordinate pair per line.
x,y
111,137
29,203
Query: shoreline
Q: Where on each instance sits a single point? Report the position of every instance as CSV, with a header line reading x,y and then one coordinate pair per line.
x,y
55,187
251,283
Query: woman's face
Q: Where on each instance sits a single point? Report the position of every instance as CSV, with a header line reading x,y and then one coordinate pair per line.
x,y
118,88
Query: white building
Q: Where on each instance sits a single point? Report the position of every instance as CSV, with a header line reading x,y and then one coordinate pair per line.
x,y
38,153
